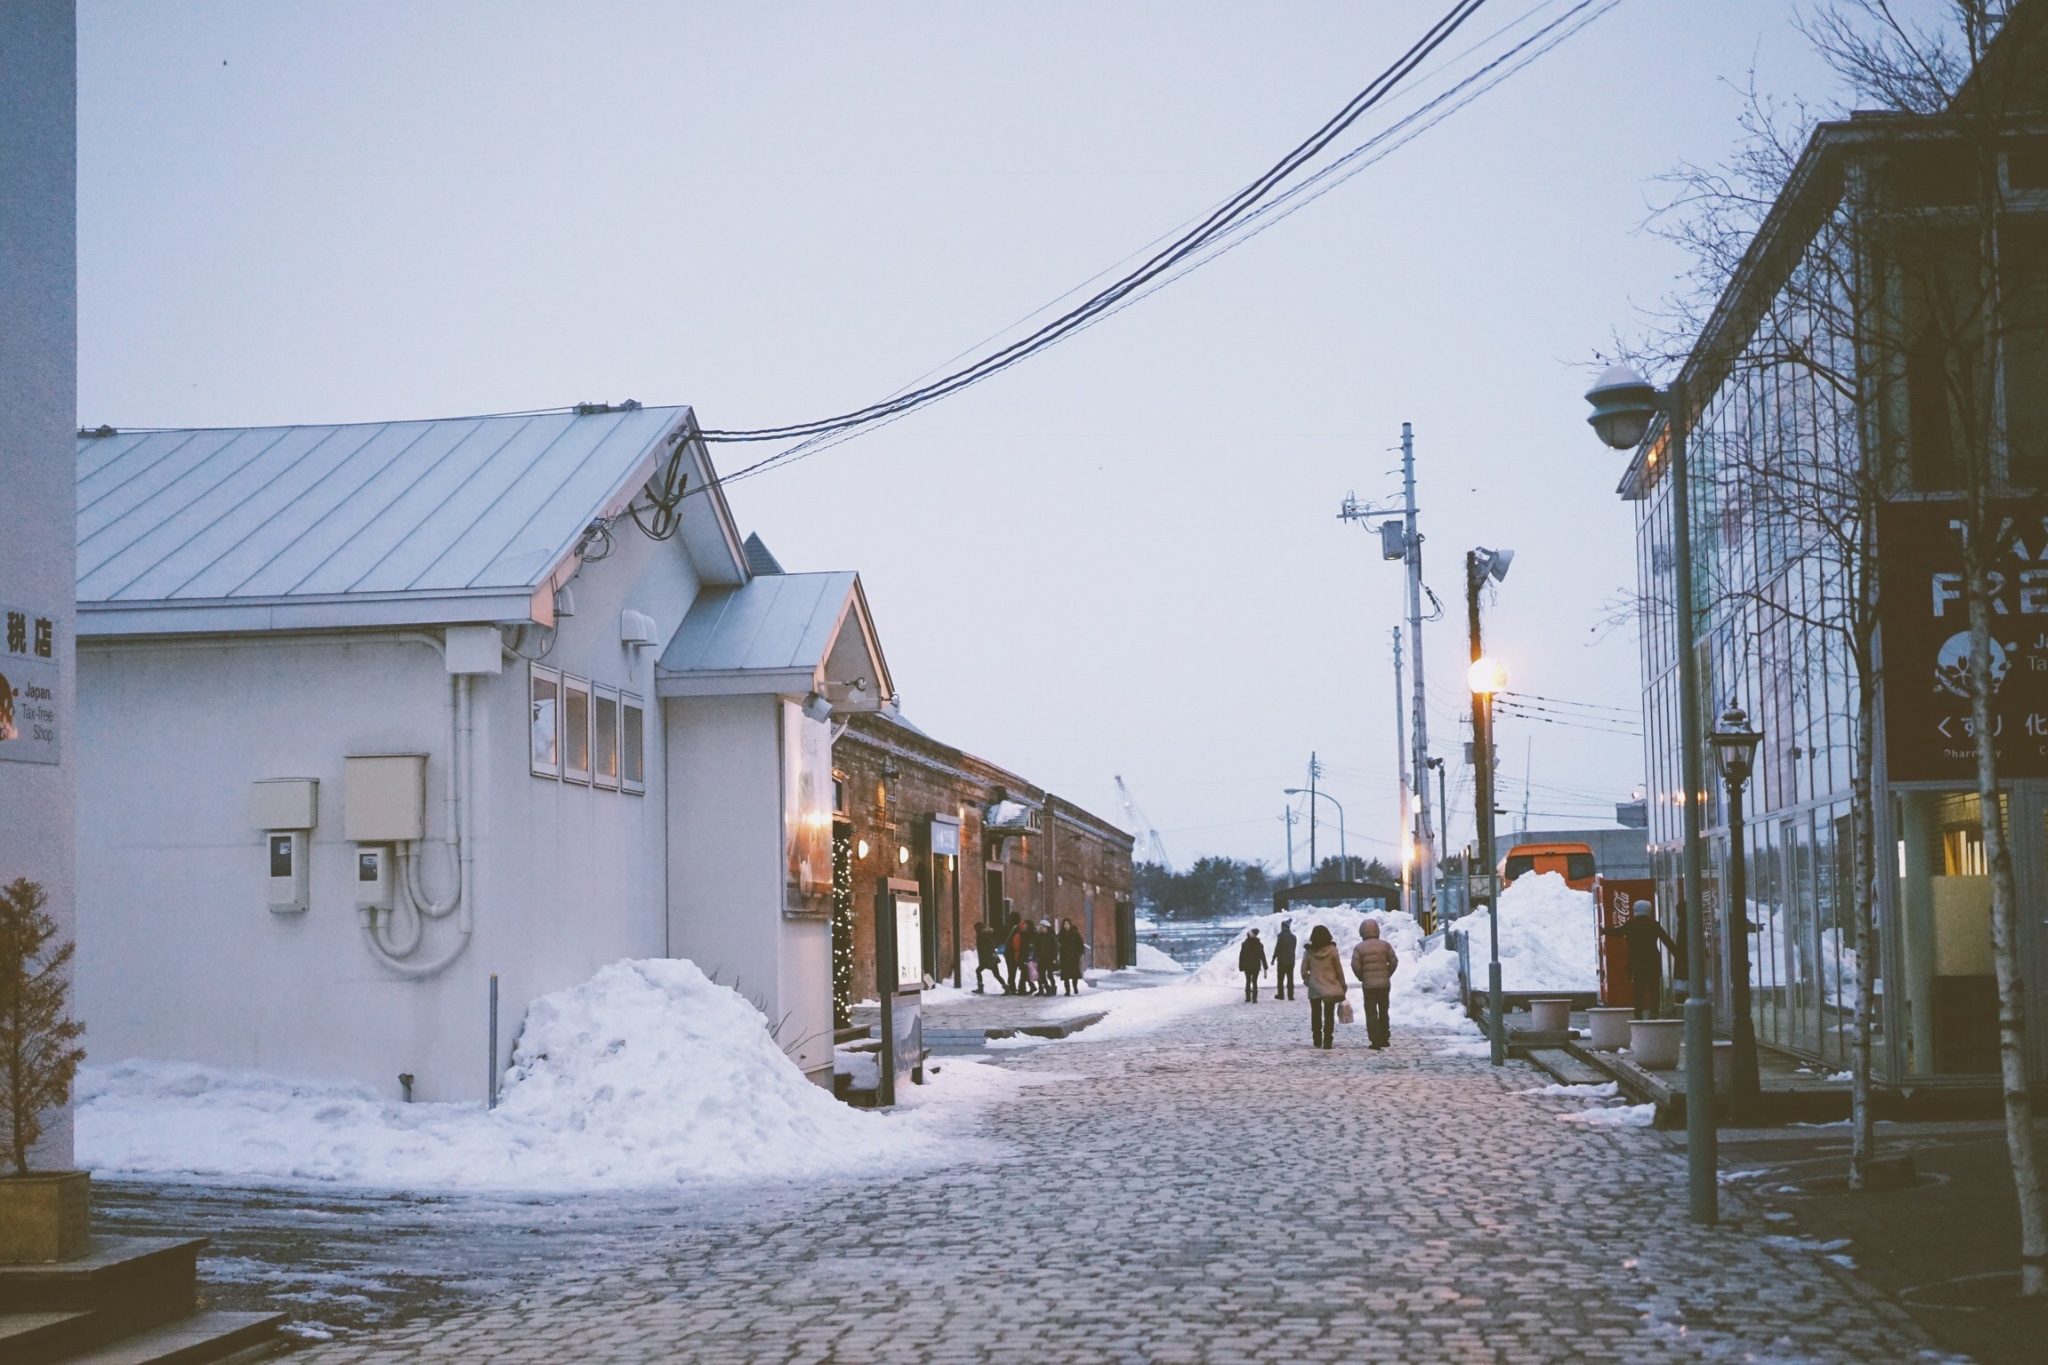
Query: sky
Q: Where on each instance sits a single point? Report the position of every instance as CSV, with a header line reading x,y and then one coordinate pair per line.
x,y
1120,558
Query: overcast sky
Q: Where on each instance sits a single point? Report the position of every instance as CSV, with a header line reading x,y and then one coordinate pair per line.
x,y
1121,557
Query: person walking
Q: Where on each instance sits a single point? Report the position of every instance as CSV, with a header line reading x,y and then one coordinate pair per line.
x,y
1016,940
1373,962
1251,960
986,958
1322,971
1048,959
1284,945
1645,966
1071,950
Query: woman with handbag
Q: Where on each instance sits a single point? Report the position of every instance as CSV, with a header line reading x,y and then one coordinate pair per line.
x,y
1322,971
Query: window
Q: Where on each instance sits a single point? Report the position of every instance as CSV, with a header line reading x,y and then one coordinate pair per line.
x,y
575,730
632,755
545,704
604,737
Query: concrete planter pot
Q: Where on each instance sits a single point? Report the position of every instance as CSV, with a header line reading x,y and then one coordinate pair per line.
x,y
43,1216
1550,1016
1724,1066
1654,1043
1607,1027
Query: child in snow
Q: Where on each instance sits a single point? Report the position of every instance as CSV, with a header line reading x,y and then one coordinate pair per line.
x,y
1322,971
1251,960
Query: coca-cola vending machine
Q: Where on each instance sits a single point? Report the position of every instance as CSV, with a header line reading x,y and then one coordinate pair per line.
x,y
1613,900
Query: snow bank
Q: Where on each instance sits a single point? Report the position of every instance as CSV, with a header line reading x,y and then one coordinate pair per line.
x,y
645,1075
1150,959
1549,936
1425,989
1618,1116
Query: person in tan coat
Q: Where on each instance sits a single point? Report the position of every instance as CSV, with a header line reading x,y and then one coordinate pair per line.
x,y
1322,971
1373,962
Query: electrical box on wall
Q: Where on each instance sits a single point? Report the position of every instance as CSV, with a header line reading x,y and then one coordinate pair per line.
x,y
384,798
373,877
286,810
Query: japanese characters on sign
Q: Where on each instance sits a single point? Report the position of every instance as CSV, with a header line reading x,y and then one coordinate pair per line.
x,y
1925,641
28,686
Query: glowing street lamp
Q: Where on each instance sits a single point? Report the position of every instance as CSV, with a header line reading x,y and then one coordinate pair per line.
x,y
1486,677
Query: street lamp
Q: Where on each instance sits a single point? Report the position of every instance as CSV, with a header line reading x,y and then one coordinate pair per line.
x,y
1735,753
1486,677
1343,849
1624,404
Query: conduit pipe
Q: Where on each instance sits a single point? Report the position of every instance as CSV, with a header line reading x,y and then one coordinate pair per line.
x,y
396,955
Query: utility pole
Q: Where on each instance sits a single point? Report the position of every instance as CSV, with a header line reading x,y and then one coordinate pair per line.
x,y
1313,769
1443,824
1287,814
1423,878
1401,765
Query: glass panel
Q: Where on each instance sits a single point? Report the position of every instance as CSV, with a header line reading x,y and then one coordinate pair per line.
x,y
605,761
576,730
546,701
1950,997
1802,935
632,760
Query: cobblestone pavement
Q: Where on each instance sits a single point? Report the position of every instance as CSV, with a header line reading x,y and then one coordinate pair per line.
x,y
1217,1191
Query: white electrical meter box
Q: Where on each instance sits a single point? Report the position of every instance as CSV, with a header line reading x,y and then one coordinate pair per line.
x,y
373,877
285,852
384,799
284,803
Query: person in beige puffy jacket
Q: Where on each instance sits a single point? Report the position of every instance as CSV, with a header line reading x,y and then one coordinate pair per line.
x,y
1322,971
1373,962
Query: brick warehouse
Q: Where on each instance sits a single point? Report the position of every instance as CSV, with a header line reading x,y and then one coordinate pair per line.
x,y
1019,845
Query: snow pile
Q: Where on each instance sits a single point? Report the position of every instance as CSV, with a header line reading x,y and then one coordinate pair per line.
x,y
1150,959
1425,988
645,1075
1549,937
1619,1116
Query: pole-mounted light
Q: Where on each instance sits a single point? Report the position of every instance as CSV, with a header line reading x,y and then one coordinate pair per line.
x,y
1735,746
1487,676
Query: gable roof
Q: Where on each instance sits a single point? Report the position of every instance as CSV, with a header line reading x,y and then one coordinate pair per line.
x,y
783,633
456,519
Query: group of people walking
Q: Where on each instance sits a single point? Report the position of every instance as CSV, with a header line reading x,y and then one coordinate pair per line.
x,y
1029,959
1373,962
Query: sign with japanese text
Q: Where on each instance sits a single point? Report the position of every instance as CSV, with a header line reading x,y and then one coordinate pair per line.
x,y
28,685
1925,641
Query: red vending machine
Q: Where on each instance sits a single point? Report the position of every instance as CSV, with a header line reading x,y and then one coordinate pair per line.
x,y
1613,900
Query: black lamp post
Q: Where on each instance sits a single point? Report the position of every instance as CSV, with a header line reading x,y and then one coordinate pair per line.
x,y
1624,407
1735,753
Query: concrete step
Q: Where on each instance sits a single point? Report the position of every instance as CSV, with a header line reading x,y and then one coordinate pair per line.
x,y
122,1286
33,1338
1565,1068
199,1339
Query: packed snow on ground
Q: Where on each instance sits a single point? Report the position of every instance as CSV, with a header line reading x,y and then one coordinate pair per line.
x,y
645,1075
1424,996
1605,1090
1614,1116
1549,937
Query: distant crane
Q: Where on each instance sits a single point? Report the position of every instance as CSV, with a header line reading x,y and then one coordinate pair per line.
x,y
1155,845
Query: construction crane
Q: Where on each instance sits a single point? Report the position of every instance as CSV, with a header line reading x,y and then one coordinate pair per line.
x,y
1154,845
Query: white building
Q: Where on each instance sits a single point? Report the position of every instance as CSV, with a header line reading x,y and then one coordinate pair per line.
x,y
370,713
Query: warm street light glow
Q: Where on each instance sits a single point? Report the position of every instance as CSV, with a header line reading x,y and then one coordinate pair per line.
x,y
861,849
1487,676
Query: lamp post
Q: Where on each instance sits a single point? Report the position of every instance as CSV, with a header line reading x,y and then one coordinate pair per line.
x,y
1623,405
1343,849
1735,747
1486,677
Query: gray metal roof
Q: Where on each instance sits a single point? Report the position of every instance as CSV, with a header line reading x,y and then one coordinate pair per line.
x,y
781,633
460,508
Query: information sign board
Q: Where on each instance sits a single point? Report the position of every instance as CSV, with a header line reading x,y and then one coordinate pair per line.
x,y
29,728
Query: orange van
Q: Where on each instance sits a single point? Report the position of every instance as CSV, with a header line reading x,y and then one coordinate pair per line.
x,y
1573,862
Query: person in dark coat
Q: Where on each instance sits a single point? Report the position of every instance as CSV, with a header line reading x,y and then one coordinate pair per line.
x,y
1015,940
1072,948
986,958
1048,959
1645,966
1251,960
1283,961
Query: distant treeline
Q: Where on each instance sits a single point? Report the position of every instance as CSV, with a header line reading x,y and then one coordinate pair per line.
x,y
1234,886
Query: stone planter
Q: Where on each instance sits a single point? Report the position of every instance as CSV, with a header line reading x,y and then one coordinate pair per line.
x,y
1724,1066
1654,1043
1550,1016
43,1216
1607,1027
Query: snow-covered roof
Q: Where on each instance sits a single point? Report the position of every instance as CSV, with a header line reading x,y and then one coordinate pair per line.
x,y
785,633
367,524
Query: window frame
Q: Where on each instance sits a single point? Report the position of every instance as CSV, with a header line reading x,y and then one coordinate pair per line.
x,y
600,698
632,755
571,733
535,676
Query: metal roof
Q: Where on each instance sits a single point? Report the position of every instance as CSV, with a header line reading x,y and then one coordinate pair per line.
x,y
779,633
459,515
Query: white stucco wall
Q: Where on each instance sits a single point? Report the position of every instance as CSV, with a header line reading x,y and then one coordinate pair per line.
x,y
726,878
179,955
38,413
